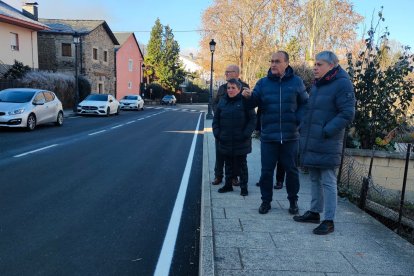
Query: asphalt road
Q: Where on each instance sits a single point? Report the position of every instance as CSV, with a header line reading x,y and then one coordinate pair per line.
x,y
95,196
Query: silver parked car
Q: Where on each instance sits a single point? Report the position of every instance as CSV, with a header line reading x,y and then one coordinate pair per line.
x,y
132,102
28,107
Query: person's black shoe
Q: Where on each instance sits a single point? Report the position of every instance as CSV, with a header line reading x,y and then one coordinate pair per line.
x,y
225,189
308,216
278,185
264,207
244,192
258,184
326,227
235,182
217,180
293,208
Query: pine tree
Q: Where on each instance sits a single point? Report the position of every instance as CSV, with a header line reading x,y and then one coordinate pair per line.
x,y
170,74
162,61
154,50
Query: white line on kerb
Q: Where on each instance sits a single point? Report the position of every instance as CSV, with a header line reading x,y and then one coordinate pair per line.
x,y
36,150
93,133
165,258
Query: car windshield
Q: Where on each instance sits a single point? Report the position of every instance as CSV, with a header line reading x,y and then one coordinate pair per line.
x,y
97,97
130,98
16,96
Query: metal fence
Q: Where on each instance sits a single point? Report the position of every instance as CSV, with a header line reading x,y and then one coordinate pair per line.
x,y
394,208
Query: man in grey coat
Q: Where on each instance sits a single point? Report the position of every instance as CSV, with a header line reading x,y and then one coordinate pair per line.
x,y
330,110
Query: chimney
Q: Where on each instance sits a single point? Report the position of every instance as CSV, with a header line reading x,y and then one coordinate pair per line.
x,y
29,9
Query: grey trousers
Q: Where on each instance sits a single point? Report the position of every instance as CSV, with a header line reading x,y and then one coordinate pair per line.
x,y
324,192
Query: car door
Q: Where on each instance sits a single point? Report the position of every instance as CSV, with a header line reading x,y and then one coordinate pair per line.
x,y
112,104
51,107
39,107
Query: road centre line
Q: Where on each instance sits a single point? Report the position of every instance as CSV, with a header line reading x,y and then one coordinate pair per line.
x,y
94,133
36,150
130,122
117,126
165,258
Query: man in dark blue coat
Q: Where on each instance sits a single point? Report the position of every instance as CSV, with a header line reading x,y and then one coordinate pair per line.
x,y
281,96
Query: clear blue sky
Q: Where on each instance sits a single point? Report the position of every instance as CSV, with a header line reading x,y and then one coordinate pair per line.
x,y
184,16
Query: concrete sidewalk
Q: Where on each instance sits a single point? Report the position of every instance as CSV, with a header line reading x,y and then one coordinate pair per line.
x,y
237,240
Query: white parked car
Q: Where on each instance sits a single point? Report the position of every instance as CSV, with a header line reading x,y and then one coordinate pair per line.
x,y
132,102
28,107
99,104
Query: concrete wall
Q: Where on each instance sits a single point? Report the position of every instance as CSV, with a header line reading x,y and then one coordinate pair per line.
x,y
128,51
388,169
27,53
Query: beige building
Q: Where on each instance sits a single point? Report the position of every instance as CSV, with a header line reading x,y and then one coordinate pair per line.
x,y
18,36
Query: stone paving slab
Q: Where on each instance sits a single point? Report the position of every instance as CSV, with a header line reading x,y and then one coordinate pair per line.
x,y
243,242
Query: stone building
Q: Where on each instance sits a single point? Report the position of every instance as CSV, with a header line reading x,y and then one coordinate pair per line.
x,y
94,42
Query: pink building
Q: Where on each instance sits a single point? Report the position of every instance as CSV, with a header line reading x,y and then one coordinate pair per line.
x,y
129,60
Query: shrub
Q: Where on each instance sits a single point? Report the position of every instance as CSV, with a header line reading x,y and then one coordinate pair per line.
x,y
17,71
383,93
62,84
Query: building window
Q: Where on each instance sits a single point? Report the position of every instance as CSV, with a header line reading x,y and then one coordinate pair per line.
x,y
130,85
105,56
14,41
95,54
130,65
66,50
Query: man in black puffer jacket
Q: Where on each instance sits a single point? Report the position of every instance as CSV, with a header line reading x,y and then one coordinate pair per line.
x,y
233,125
281,97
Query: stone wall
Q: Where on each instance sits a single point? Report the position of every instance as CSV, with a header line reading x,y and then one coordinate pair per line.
x,y
98,71
388,169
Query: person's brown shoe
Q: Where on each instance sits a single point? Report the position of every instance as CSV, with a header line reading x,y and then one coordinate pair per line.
x,y
217,180
235,182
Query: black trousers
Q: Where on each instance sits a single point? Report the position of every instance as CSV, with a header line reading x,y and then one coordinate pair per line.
x,y
218,168
236,165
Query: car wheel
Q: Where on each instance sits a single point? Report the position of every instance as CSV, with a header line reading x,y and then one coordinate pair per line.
x,y
59,119
108,112
117,111
31,122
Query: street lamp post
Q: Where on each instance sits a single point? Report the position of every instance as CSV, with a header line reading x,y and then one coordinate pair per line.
x,y
210,101
76,40
143,86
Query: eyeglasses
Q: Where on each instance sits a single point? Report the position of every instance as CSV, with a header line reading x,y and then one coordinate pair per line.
x,y
228,72
276,61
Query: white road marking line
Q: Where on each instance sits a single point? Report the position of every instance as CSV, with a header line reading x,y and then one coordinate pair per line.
x,y
36,150
193,110
165,258
93,133
130,122
117,126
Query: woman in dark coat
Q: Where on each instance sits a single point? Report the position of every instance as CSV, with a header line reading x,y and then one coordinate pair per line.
x,y
331,107
233,125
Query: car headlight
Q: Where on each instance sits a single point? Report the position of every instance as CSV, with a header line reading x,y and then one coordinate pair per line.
x,y
17,111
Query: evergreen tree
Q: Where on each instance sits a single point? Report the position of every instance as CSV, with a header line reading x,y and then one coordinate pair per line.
x,y
154,50
162,61
170,73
